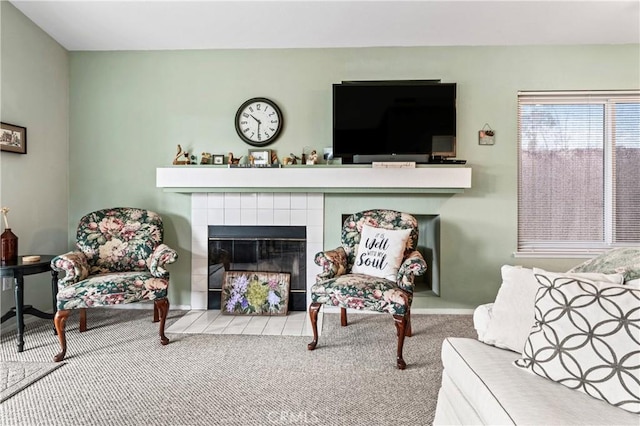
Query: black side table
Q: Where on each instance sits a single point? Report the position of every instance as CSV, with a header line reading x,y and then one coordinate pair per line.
x,y
18,271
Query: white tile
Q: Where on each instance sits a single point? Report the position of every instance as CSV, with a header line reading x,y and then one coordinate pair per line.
x,y
315,201
213,322
232,200
199,240
215,217
199,265
313,248
198,299
294,324
199,282
274,326
282,200
256,325
215,200
298,217
218,325
232,217
203,321
198,200
265,200
184,322
299,201
237,325
315,217
249,200
281,217
248,216
315,234
265,217
199,217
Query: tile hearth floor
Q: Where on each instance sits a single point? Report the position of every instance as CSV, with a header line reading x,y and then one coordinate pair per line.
x,y
213,322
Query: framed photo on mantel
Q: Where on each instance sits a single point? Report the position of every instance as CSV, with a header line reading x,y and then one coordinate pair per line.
x,y
13,138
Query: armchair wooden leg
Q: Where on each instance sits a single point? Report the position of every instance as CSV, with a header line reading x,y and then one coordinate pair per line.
x,y
162,305
156,314
343,317
60,321
401,324
314,308
83,319
408,332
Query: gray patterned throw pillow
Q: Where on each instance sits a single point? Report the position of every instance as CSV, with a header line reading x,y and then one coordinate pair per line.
x,y
587,337
623,260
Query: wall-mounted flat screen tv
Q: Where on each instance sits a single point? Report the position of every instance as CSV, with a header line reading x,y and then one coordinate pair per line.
x,y
394,121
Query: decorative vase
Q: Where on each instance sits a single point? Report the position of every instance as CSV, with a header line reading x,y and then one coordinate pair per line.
x,y
9,252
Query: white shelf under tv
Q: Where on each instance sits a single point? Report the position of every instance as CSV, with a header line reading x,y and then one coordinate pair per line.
x,y
316,178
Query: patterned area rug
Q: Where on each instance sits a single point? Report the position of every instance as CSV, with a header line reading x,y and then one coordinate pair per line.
x,y
16,376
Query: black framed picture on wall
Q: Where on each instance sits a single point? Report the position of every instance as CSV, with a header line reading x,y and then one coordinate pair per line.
x,y
13,138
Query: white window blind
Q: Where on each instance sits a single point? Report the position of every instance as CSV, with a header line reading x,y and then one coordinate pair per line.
x,y
579,171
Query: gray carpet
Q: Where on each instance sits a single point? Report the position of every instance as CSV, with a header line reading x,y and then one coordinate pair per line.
x,y
117,373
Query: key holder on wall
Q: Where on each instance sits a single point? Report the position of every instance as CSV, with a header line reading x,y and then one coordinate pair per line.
x,y
487,135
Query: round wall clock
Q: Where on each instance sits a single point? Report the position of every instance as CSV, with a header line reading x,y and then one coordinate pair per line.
x,y
259,121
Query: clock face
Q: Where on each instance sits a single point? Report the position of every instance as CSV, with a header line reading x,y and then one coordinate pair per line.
x,y
258,121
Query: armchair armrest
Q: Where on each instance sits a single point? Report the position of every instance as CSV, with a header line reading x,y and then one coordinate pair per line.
x,y
161,256
74,265
412,266
333,263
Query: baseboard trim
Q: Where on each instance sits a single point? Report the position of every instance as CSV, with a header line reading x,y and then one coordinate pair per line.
x,y
416,311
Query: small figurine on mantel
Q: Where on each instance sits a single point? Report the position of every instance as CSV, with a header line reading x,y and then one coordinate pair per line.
x,y
206,158
233,160
293,159
313,157
274,158
181,154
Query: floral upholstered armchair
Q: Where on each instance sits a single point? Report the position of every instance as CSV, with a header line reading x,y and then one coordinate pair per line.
x,y
373,269
120,258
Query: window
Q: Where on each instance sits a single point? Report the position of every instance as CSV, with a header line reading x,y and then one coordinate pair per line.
x,y
578,172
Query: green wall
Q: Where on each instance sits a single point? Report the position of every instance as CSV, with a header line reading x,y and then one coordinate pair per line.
x,y
34,93
129,110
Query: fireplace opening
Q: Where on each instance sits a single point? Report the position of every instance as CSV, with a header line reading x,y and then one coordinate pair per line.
x,y
258,248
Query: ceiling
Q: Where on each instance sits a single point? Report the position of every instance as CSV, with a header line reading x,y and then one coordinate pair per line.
x,y
161,25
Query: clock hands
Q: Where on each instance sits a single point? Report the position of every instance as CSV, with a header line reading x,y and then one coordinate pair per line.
x,y
259,122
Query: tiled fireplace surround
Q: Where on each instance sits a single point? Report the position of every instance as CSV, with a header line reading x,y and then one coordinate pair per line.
x,y
251,209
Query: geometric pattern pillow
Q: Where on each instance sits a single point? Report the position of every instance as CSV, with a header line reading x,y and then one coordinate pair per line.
x,y
587,337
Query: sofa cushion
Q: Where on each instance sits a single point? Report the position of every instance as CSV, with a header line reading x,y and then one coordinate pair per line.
x,y
512,312
380,252
502,394
622,260
587,337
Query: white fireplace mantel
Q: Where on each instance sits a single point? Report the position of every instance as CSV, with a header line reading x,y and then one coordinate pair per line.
x,y
317,178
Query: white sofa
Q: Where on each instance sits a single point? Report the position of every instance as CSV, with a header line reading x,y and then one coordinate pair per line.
x,y
480,385
534,311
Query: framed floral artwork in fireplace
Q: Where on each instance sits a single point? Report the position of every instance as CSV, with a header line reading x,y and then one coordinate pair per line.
x,y
255,293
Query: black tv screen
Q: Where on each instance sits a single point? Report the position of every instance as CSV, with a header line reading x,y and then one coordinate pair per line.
x,y
378,120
